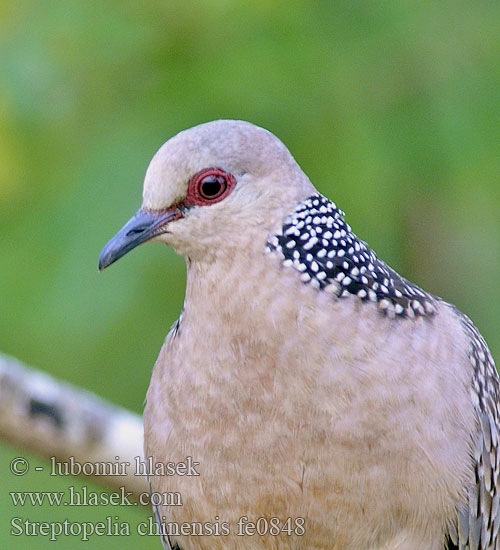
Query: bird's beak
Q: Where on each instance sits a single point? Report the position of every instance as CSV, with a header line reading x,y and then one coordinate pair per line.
x,y
142,227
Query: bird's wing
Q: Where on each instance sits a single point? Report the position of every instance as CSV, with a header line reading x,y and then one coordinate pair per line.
x,y
477,523
165,540
167,543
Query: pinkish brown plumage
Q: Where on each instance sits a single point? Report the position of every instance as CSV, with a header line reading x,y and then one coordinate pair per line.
x,y
307,378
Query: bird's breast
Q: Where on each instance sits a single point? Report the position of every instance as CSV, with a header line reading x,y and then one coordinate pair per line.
x,y
295,411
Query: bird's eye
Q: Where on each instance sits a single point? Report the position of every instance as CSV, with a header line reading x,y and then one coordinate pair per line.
x,y
212,186
209,186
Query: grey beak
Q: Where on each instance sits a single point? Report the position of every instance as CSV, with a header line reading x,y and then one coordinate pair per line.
x,y
145,225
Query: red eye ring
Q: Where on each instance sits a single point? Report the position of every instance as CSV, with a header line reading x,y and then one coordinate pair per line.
x,y
209,186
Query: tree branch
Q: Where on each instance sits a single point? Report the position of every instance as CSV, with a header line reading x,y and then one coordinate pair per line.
x,y
55,419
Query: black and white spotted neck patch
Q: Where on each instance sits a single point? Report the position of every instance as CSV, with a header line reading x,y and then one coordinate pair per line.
x,y
319,244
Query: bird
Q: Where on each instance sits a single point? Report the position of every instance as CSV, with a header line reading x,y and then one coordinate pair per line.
x,y
326,401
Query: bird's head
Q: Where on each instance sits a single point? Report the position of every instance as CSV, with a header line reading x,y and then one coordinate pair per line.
x,y
211,186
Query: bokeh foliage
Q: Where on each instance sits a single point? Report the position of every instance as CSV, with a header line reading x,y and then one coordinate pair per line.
x,y
392,108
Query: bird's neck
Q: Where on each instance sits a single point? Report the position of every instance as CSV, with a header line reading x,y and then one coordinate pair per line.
x,y
233,285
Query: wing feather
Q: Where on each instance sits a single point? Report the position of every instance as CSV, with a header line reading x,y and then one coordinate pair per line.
x,y
477,523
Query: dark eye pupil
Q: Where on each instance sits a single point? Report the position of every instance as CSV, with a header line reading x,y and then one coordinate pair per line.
x,y
211,186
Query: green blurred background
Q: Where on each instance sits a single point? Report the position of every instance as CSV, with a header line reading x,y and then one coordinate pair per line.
x,y
392,108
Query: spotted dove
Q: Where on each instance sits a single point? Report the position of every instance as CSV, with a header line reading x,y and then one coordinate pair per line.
x,y
311,382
